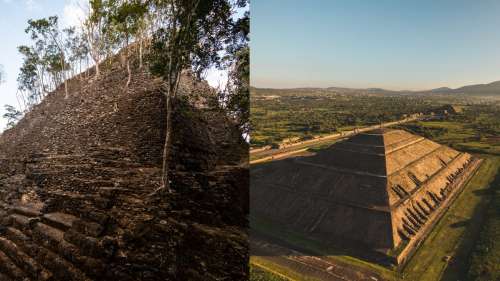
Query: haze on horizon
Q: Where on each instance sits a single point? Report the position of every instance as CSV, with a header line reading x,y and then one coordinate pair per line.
x,y
395,45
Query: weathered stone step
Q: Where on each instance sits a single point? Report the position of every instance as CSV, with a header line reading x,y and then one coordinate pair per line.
x,y
94,171
10,270
90,206
84,185
94,247
26,263
70,183
77,198
20,222
26,210
43,253
83,159
53,239
60,220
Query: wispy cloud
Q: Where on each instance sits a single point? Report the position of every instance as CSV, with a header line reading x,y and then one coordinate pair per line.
x,y
33,5
74,12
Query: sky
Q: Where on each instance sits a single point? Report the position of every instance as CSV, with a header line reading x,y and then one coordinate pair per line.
x,y
397,45
14,15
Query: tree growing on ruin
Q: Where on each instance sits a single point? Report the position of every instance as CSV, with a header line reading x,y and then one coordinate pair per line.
x,y
12,115
190,36
126,18
31,74
77,48
46,34
95,31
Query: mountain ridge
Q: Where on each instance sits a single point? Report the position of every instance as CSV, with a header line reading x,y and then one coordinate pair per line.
x,y
488,89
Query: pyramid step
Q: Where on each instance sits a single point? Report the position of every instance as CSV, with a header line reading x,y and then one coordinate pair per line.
x,y
82,160
27,210
90,246
53,238
60,220
75,200
26,263
10,270
91,170
72,183
79,208
20,222
84,185
41,252
88,228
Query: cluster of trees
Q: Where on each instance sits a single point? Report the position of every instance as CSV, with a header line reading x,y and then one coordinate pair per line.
x,y
58,54
170,36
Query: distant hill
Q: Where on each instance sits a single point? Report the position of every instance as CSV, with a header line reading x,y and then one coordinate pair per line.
x,y
491,89
442,90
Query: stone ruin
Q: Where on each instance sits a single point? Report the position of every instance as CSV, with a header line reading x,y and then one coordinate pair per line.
x,y
77,174
378,193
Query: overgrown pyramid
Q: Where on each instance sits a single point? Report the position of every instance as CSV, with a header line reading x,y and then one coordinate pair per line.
x,y
381,190
77,174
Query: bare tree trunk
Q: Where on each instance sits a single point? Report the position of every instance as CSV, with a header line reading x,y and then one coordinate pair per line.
x,y
65,89
97,68
166,148
129,73
140,52
128,64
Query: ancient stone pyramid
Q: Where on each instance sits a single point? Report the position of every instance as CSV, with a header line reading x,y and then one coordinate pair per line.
x,y
380,190
77,174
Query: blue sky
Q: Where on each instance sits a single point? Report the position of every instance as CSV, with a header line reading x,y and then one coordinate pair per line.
x,y
389,44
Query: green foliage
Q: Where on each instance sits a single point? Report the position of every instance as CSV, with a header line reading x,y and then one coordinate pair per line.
x,y
12,115
237,95
47,63
191,35
29,78
126,16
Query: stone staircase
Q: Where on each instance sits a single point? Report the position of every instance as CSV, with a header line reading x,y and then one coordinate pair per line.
x,y
86,203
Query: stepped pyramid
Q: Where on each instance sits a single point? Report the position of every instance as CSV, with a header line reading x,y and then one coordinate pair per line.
x,y
77,174
380,190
